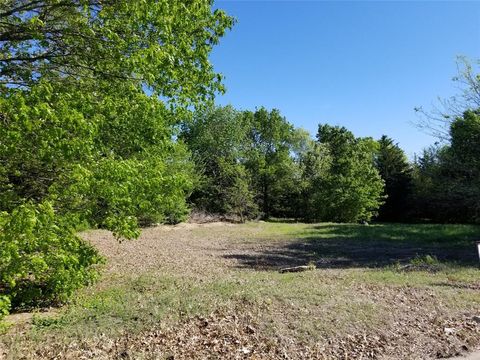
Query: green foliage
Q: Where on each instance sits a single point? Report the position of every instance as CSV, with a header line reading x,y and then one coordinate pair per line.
x,y
446,176
217,138
350,189
447,184
427,186
160,44
465,140
315,164
150,190
248,162
62,145
42,258
239,198
395,170
258,160
425,260
41,133
5,305
86,130
271,140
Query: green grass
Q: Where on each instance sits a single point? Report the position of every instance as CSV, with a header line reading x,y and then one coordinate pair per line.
x,y
145,302
376,245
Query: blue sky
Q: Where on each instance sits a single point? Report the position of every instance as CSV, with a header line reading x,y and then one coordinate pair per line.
x,y
363,65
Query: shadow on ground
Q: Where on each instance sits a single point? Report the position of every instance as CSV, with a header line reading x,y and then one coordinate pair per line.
x,y
348,246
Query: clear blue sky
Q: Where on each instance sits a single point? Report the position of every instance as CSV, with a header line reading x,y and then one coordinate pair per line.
x,y
363,65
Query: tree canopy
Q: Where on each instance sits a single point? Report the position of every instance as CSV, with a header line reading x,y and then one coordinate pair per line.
x,y
92,93
351,189
280,171
163,45
447,186
395,170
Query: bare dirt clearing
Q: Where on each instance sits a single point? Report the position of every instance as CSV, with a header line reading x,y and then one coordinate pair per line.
x,y
214,291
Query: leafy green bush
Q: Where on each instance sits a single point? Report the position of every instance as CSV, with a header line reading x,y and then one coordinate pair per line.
x,y
43,261
147,191
4,306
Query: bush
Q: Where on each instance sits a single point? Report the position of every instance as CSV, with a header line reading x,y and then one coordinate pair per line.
x,y
43,261
4,306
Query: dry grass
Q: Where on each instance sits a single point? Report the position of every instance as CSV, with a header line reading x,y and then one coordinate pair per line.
x,y
213,291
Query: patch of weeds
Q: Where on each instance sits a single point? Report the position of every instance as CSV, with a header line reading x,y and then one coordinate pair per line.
x,y
4,326
47,321
429,263
422,263
428,260
450,276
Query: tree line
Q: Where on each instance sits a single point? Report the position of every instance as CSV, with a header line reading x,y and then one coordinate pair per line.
x,y
107,121
255,164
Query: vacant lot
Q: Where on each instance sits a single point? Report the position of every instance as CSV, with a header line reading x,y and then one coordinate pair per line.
x,y
214,291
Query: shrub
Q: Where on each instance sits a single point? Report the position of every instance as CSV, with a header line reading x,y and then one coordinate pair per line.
x,y
4,306
43,261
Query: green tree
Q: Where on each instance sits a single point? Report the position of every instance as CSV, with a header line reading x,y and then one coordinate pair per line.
x,y
447,184
395,170
315,165
464,162
272,139
217,138
106,157
428,200
445,175
163,45
85,136
238,195
34,243
351,189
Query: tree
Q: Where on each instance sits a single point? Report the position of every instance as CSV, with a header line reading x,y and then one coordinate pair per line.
x,y
351,189
217,138
426,192
238,195
162,45
43,260
445,175
396,172
438,120
464,162
269,160
107,156
90,97
315,164
446,181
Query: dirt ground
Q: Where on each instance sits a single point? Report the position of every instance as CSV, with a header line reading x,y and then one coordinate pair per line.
x,y
345,309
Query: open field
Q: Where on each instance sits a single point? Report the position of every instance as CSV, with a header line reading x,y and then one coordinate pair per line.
x,y
214,291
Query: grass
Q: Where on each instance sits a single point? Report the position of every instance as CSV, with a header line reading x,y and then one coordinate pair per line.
x,y
368,280
347,245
